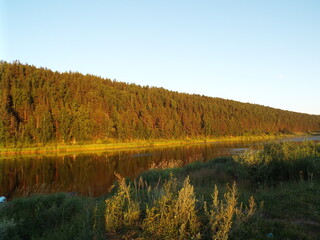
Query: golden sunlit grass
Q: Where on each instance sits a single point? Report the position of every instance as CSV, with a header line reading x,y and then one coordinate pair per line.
x,y
173,213
123,145
122,212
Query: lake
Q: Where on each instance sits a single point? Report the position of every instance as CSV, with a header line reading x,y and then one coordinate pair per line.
x,y
93,174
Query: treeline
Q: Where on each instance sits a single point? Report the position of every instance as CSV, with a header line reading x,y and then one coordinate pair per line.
x,y
41,106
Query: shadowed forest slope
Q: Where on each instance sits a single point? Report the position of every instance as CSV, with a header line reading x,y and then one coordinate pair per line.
x,y
38,105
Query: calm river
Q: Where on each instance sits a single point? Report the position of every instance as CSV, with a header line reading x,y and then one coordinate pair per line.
x,y
92,174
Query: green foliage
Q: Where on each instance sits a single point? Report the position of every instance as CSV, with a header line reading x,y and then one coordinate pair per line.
x,y
281,162
54,216
291,211
39,106
8,230
122,212
227,212
174,215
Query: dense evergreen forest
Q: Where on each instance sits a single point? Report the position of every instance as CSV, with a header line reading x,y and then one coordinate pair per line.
x,y
39,106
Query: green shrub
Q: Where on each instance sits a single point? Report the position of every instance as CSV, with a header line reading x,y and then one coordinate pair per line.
x,y
173,216
8,230
279,162
53,216
227,212
122,212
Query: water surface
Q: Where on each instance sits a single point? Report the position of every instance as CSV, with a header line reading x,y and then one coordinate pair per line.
x,y
93,174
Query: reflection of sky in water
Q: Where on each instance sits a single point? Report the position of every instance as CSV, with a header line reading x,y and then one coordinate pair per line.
x,y
92,174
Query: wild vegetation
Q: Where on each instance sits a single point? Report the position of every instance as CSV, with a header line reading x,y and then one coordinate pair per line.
x,y
40,107
273,193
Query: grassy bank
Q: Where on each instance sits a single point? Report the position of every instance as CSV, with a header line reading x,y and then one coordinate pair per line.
x,y
115,145
272,193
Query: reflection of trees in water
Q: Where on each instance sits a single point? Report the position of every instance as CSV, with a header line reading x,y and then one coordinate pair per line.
x,y
93,174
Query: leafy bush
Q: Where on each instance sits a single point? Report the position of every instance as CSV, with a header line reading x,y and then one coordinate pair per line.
x,y
281,162
227,212
122,213
53,216
174,215
8,230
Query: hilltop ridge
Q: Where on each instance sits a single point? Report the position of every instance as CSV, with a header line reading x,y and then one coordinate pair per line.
x,y
42,106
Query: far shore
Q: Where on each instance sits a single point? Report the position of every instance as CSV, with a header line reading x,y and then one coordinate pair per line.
x,y
129,145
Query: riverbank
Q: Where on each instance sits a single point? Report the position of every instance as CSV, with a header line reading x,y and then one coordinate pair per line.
x,y
283,179
115,145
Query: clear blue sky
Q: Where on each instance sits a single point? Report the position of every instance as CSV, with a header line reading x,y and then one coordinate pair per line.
x,y
265,52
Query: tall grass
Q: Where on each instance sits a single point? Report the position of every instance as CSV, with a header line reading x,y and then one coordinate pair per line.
x,y
278,162
226,212
174,213
54,216
173,216
122,212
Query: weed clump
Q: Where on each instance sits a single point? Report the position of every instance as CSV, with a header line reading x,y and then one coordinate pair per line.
x,y
279,162
122,212
54,216
227,212
174,215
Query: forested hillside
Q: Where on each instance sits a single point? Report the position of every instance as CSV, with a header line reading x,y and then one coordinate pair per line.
x,y
41,106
